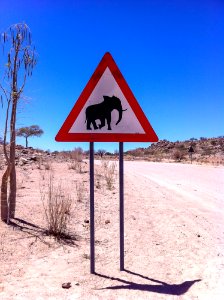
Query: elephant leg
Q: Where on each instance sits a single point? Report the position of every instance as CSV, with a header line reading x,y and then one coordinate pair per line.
x,y
108,121
88,125
94,124
102,120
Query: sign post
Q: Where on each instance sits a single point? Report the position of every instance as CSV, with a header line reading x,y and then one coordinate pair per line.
x,y
92,223
106,111
121,188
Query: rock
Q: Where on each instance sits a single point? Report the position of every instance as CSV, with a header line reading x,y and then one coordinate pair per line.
x,y
86,221
23,161
107,221
24,151
66,285
33,158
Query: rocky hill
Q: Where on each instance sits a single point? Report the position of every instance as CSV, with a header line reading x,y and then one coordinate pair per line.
x,y
27,156
206,150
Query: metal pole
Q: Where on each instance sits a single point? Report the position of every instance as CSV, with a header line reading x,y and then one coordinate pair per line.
x,y
92,231
121,179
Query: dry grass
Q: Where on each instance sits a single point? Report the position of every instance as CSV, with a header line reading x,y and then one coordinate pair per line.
x,y
76,156
80,191
178,155
109,173
57,205
47,166
2,242
75,165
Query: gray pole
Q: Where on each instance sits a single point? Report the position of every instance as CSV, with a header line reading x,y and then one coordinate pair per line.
x,y
92,232
121,179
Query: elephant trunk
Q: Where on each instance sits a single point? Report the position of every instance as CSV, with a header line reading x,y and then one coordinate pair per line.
x,y
120,110
120,114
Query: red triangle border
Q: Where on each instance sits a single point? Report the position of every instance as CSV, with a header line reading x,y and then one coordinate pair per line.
x,y
64,135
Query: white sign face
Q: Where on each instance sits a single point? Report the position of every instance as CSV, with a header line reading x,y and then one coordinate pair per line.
x,y
107,110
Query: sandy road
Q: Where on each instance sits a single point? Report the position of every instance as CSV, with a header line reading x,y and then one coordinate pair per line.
x,y
201,185
181,209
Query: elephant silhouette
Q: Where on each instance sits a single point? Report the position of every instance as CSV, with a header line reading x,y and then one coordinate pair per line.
x,y
102,111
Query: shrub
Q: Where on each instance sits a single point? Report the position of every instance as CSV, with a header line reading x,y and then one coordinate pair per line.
x,y
109,173
178,155
47,166
80,191
206,151
181,146
213,142
77,154
57,207
75,165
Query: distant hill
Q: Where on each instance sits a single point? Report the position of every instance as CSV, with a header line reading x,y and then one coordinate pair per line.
x,y
206,150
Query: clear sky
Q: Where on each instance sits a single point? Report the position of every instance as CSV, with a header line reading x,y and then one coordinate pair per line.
x,y
171,54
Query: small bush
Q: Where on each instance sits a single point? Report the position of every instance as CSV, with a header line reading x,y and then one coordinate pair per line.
x,y
213,143
178,155
181,146
80,190
57,207
2,242
206,151
39,163
109,173
77,154
75,165
47,166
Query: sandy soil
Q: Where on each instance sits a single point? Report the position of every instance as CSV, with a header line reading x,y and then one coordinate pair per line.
x,y
174,236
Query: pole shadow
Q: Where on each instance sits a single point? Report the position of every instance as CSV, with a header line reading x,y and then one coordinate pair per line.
x,y
160,288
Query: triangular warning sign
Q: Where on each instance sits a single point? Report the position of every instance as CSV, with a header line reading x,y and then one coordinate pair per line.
x,y
106,111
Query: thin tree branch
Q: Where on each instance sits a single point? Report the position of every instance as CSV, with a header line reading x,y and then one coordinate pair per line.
x,y
22,87
4,91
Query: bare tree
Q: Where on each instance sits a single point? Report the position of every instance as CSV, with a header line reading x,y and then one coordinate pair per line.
x,y
101,152
21,59
33,130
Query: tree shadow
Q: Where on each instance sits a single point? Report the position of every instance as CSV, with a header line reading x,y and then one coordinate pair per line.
x,y
160,288
39,232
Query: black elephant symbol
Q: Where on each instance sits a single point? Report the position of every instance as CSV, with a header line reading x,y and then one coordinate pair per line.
x,y
102,111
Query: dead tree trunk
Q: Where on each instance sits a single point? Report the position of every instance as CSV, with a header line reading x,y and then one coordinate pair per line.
x,y
4,200
12,193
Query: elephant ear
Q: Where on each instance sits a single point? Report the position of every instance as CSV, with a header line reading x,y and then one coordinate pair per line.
x,y
106,98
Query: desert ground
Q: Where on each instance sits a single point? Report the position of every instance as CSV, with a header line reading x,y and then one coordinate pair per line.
x,y
174,234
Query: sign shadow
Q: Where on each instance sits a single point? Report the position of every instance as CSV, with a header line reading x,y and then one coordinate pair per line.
x,y
160,288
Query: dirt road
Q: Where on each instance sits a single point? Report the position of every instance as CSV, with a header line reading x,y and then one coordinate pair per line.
x,y
200,186
182,207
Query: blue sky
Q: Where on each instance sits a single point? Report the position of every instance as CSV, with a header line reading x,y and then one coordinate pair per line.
x,y
171,54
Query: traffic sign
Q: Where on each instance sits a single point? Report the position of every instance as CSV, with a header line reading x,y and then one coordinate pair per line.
x,y
106,111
